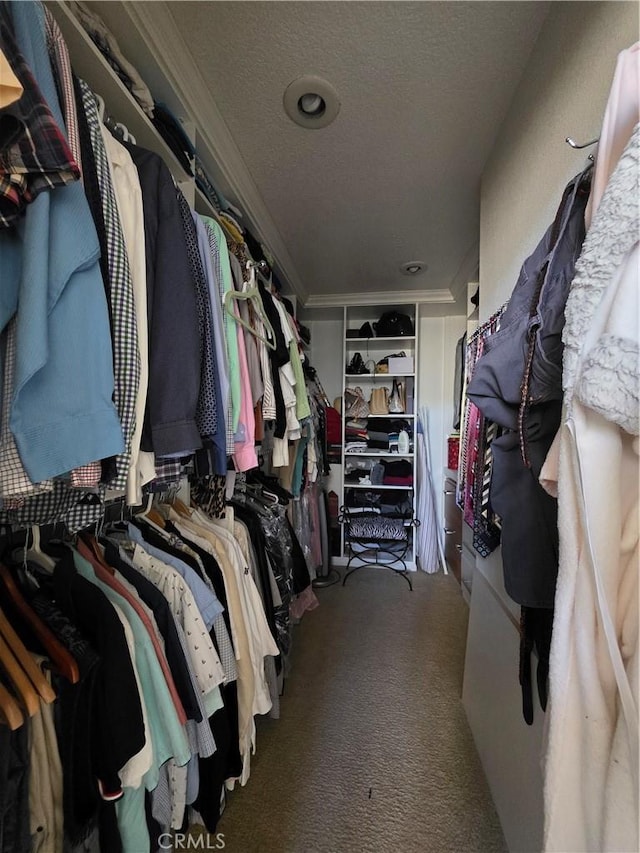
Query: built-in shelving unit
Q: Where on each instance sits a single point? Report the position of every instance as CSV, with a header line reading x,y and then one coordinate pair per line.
x,y
374,349
379,453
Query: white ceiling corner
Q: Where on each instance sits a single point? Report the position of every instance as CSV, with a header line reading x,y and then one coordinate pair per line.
x,y
215,144
423,86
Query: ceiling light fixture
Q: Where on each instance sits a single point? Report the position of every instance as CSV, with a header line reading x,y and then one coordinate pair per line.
x,y
311,102
413,267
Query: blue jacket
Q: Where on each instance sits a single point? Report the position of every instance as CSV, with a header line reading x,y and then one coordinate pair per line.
x,y
62,413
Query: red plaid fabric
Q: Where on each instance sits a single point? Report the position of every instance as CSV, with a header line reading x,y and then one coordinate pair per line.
x,y
61,64
34,153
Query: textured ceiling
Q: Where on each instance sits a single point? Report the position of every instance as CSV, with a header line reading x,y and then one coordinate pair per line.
x,y
423,88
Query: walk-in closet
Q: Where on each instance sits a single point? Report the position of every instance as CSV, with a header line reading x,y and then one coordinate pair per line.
x,y
319,455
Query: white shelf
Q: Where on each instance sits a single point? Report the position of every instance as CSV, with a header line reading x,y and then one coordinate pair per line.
x,y
375,488
90,65
380,340
203,206
382,453
379,376
398,416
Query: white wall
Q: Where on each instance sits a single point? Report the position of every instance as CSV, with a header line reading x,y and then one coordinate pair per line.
x,y
326,356
438,338
563,93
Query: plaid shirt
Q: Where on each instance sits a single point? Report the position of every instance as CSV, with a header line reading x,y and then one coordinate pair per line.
x,y
126,356
38,157
61,64
14,480
74,508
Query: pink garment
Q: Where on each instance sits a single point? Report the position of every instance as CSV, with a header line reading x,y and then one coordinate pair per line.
x,y
245,456
312,497
107,578
621,116
471,461
301,603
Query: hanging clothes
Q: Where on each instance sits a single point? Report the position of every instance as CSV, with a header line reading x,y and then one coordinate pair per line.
x,y
517,384
174,372
67,419
179,625
591,770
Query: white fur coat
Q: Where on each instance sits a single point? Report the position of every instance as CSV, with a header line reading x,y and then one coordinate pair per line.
x,y
591,768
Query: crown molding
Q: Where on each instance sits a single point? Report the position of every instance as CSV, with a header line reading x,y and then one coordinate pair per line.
x,y
385,297
216,146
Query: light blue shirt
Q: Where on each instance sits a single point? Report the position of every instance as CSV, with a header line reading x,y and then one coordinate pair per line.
x,y
208,604
62,412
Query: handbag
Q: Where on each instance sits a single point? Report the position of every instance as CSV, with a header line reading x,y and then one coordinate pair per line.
x,y
356,365
383,365
355,406
365,331
396,400
393,324
379,402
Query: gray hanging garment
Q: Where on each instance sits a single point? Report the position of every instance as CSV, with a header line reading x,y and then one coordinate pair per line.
x,y
517,383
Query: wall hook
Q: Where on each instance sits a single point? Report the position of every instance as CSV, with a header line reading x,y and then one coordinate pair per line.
x,y
570,141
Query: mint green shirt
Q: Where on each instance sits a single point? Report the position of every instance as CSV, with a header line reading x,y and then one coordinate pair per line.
x,y
168,736
302,400
222,270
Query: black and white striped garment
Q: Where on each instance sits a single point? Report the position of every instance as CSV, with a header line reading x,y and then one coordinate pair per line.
x,y
376,527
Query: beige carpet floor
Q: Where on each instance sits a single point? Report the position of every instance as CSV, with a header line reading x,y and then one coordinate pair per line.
x,y
372,753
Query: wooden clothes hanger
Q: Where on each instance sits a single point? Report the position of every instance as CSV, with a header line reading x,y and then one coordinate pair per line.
x,y
18,678
251,294
150,514
181,508
10,710
25,660
94,546
60,657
